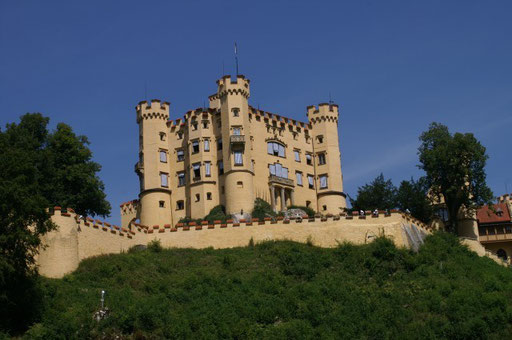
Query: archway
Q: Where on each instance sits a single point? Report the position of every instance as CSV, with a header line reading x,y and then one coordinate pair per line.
x,y
502,254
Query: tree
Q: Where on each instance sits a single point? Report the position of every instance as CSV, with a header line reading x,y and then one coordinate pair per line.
x,y
413,195
454,167
379,194
38,169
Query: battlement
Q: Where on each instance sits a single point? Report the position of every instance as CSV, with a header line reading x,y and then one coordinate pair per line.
x,y
228,86
154,109
324,112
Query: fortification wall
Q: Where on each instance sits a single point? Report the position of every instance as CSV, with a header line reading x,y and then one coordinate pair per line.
x,y
78,239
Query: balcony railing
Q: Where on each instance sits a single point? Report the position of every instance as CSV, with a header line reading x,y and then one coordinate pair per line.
x,y
280,180
237,139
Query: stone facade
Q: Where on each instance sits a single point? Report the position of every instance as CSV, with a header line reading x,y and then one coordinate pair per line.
x,y
231,154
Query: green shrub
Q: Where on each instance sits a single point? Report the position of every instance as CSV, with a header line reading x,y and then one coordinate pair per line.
x,y
155,246
217,213
262,209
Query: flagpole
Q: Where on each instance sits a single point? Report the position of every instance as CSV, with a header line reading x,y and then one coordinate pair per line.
x,y
236,59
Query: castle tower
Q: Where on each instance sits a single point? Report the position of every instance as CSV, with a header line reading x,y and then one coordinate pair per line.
x,y
232,97
329,179
153,165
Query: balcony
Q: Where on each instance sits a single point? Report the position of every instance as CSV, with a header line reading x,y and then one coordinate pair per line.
x,y
237,139
280,180
139,167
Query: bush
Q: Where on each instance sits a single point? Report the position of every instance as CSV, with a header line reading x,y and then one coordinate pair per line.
x,y
217,213
155,246
307,210
262,209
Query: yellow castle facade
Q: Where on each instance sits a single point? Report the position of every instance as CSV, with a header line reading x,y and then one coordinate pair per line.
x,y
230,154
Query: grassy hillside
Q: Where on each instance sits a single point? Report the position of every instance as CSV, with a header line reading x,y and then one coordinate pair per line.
x,y
285,290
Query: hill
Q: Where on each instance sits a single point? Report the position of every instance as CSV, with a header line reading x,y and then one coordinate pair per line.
x,y
284,290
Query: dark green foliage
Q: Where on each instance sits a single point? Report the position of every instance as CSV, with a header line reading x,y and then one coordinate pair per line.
x,y
38,169
412,195
379,194
155,246
454,167
286,290
310,212
262,209
217,213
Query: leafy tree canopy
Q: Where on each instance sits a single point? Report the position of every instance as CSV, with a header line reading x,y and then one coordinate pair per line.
x,y
413,196
379,194
38,169
454,167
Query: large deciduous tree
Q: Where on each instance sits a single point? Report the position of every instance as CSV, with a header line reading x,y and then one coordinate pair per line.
x,y
38,169
379,194
454,167
413,196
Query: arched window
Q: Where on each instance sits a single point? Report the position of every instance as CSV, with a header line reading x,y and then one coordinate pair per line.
x,y
276,149
502,254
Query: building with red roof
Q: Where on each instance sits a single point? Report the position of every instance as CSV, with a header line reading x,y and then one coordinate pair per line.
x,y
495,227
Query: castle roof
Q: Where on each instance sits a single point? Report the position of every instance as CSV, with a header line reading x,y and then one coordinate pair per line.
x,y
499,215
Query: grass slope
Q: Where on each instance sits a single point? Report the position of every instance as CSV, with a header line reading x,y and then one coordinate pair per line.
x,y
285,290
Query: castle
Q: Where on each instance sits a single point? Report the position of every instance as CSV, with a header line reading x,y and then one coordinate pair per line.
x,y
230,154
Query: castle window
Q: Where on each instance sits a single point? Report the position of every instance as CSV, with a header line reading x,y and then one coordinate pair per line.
x,y
163,156
181,178
206,145
311,182
237,130
207,169
324,207
309,159
323,181
240,184
220,164
198,197
181,155
180,135
194,126
278,170
236,112
239,159
162,136
161,204
219,144
164,180
297,155
195,146
320,139
258,118
275,149
197,170
205,124
295,135
209,196
298,175
308,203
180,205
321,158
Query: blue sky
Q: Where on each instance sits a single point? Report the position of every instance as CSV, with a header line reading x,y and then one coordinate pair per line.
x,y
393,66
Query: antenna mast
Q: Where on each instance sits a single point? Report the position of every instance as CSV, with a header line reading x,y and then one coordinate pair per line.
x,y
236,59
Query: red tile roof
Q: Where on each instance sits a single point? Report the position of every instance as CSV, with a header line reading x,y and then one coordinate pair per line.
x,y
486,215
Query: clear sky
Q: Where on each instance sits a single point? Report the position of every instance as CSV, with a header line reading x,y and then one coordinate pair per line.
x,y
392,66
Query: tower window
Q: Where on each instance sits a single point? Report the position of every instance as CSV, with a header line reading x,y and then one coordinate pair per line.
x,y
236,112
297,155
239,159
195,146
321,158
164,180
206,145
181,155
180,205
181,179
237,130
197,170
198,197
308,203
309,159
323,181
324,207
162,136
240,184
207,169
220,164
298,174
320,139
163,156
275,149
219,144
161,204
194,126
311,182
180,135
205,124
209,196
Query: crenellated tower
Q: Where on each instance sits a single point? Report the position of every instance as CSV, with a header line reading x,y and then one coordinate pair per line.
x,y
329,179
155,193
232,99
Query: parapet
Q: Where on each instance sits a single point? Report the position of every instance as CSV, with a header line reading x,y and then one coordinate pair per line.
x,y
226,86
155,109
324,112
